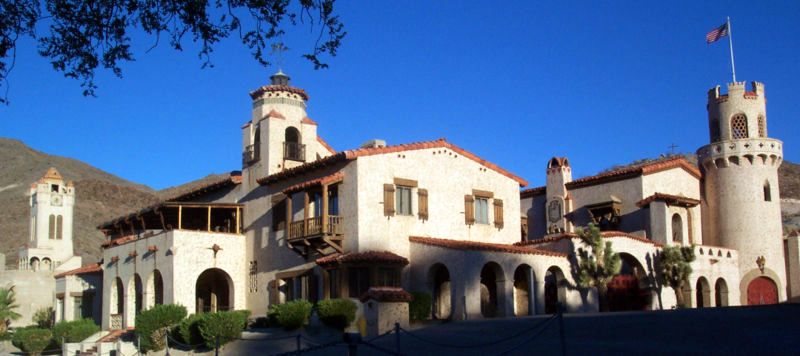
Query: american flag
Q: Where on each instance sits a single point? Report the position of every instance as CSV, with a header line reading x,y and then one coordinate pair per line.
x,y
717,33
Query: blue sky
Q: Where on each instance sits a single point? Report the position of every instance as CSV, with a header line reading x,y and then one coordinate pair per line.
x,y
602,83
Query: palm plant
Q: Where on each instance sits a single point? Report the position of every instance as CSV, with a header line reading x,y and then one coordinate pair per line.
x,y
7,308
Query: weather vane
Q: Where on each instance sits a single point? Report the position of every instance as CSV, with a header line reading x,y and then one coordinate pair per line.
x,y
277,51
672,148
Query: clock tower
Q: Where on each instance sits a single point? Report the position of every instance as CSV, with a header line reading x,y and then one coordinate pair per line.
x,y
50,242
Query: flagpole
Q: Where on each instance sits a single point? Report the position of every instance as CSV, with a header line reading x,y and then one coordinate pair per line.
x,y
730,43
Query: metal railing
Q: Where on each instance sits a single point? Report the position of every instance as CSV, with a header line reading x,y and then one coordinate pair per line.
x,y
313,227
252,153
294,151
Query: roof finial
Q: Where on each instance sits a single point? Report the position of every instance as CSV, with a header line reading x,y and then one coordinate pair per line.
x,y
279,78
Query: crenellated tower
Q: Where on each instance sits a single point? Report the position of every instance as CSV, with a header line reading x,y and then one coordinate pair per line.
x,y
741,201
559,173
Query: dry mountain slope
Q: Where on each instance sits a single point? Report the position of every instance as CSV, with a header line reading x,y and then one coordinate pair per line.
x,y
100,196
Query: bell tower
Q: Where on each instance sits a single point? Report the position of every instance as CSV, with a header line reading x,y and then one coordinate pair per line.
x,y
559,173
741,201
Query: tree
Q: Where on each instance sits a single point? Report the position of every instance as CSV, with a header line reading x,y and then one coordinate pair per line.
x,y
7,308
596,268
674,266
82,35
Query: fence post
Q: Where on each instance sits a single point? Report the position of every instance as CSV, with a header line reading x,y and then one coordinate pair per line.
x,y
216,346
63,343
138,345
561,329
397,338
166,343
297,338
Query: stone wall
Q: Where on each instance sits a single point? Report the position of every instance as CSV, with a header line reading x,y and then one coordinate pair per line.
x,y
34,290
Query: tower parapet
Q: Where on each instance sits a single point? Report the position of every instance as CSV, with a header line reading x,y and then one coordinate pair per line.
x,y
741,201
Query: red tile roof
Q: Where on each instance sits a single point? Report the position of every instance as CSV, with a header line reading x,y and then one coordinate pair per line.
x,y
569,235
387,295
527,193
635,171
326,145
92,268
670,199
233,178
275,114
307,120
336,177
274,88
362,257
350,155
481,246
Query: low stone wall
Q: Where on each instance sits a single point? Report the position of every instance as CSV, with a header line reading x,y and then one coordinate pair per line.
x,y
34,290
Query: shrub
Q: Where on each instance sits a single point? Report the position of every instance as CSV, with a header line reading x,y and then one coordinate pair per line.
x,y
244,316
74,331
272,315
294,314
222,327
189,331
32,340
420,307
150,322
337,313
44,317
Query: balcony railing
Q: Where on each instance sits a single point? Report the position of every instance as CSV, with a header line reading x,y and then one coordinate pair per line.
x,y
312,227
116,322
251,154
294,151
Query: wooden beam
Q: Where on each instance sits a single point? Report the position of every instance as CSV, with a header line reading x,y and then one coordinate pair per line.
x,y
208,219
288,214
305,212
238,219
163,221
180,217
325,209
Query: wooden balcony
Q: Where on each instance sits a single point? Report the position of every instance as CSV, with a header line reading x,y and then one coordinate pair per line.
x,y
316,233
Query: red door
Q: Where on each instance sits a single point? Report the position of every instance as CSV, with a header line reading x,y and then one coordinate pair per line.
x,y
762,290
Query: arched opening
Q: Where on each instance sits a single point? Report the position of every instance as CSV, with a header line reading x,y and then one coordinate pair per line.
x,y
47,264
59,227
522,290
117,305
702,293
439,278
630,289
491,290
51,227
762,290
214,291
555,290
721,293
739,127
155,289
677,228
34,263
767,191
292,147
135,294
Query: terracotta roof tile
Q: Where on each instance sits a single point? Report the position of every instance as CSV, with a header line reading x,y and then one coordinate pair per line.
x,y
362,257
274,114
635,171
307,120
370,151
481,246
336,177
569,235
92,268
233,178
273,88
527,193
326,145
670,199
387,295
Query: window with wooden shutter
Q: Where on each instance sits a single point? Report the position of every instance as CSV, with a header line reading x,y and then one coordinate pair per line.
x,y
498,213
388,199
469,209
422,202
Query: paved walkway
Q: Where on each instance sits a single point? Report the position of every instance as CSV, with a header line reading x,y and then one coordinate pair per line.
x,y
734,330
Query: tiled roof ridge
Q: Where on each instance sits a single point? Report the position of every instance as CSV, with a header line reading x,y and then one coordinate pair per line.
x,y
321,180
386,295
527,193
670,198
308,121
637,170
326,145
482,246
90,268
572,235
370,151
272,88
365,256
233,177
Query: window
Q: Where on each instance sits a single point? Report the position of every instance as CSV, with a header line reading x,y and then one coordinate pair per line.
x,y
333,200
677,228
739,127
52,227
767,192
359,281
54,188
333,283
403,200
279,215
59,227
482,210
253,276
77,308
388,277
762,126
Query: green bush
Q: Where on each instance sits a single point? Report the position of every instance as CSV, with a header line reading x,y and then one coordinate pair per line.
x,y
272,315
189,330
244,316
420,307
44,317
337,313
221,327
32,340
74,331
152,324
294,314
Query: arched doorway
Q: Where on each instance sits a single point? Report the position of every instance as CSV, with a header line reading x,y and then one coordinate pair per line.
x,y
522,290
491,277
702,293
555,291
762,290
439,277
155,289
117,305
214,291
136,291
721,293
629,290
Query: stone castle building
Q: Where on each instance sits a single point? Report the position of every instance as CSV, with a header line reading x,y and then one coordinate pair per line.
x,y
304,221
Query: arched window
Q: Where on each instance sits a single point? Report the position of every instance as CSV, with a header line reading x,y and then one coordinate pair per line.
x,y
51,232
739,127
292,148
762,126
713,127
767,192
59,227
677,228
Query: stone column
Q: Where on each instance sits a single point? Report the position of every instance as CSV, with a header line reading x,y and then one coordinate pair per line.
x,y
532,308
